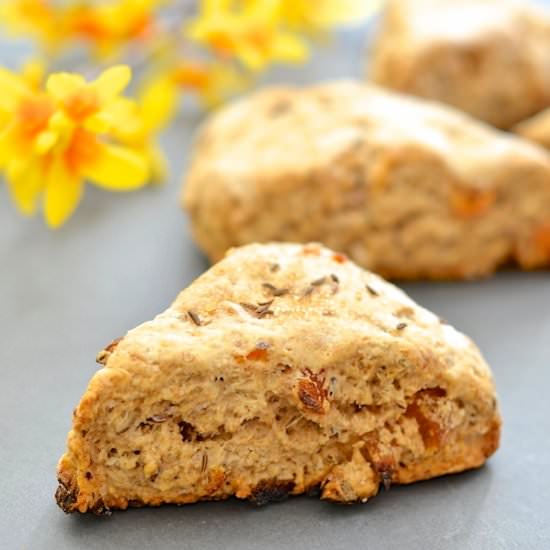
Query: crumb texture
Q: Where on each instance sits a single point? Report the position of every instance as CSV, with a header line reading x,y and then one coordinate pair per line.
x,y
406,188
489,58
282,370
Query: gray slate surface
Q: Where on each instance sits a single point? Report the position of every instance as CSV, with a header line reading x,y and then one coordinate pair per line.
x,y
121,260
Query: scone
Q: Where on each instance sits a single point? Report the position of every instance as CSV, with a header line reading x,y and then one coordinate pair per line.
x,y
283,369
490,58
407,188
536,129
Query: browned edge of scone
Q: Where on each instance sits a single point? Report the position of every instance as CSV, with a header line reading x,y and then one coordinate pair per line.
x,y
273,490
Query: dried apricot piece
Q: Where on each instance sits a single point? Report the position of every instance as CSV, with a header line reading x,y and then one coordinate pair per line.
x,y
311,391
259,353
430,430
542,239
339,258
470,203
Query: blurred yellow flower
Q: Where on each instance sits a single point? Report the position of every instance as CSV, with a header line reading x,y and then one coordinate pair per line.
x,y
154,108
33,73
106,25
52,140
212,82
37,18
249,32
305,15
55,137
110,25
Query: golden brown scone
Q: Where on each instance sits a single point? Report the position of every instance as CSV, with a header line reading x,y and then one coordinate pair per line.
x,y
536,129
490,58
282,369
407,188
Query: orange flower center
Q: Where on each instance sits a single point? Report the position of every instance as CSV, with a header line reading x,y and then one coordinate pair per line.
x,y
83,149
87,25
35,9
222,43
192,76
33,116
82,104
260,39
141,27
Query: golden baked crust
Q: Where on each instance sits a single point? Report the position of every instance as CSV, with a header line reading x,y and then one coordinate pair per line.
x,y
282,369
489,58
407,188
536,129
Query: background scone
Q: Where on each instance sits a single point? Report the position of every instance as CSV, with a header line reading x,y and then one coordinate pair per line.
x,y
282,369
490,58
407,188
536,129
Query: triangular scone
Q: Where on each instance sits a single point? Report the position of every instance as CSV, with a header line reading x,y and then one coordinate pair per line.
x,y
407,188
490,58
282,369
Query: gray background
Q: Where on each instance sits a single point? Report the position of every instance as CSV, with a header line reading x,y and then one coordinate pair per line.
x,y
120,260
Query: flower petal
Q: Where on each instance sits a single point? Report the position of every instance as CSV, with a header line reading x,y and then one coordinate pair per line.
x,y
225,81
7,142
157,162
63,193
290,48
119,115
97,123
33,72
13,89
251,57
345,11
214,7
60,123
45,141
63,85
118,169
158,103
112,81
25,181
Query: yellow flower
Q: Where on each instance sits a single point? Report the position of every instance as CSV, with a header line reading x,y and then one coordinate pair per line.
x,y
52,140
110,25
306,16
212,82
35,17
155,106
33,72
249,32
106,25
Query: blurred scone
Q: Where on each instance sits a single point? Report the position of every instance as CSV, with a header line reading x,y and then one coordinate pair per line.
x,y
490,58
282,369
536,129
407,188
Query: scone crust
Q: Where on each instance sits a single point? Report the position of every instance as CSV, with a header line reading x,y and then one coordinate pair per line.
x,y
375,389
536,128
488,58
407,188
